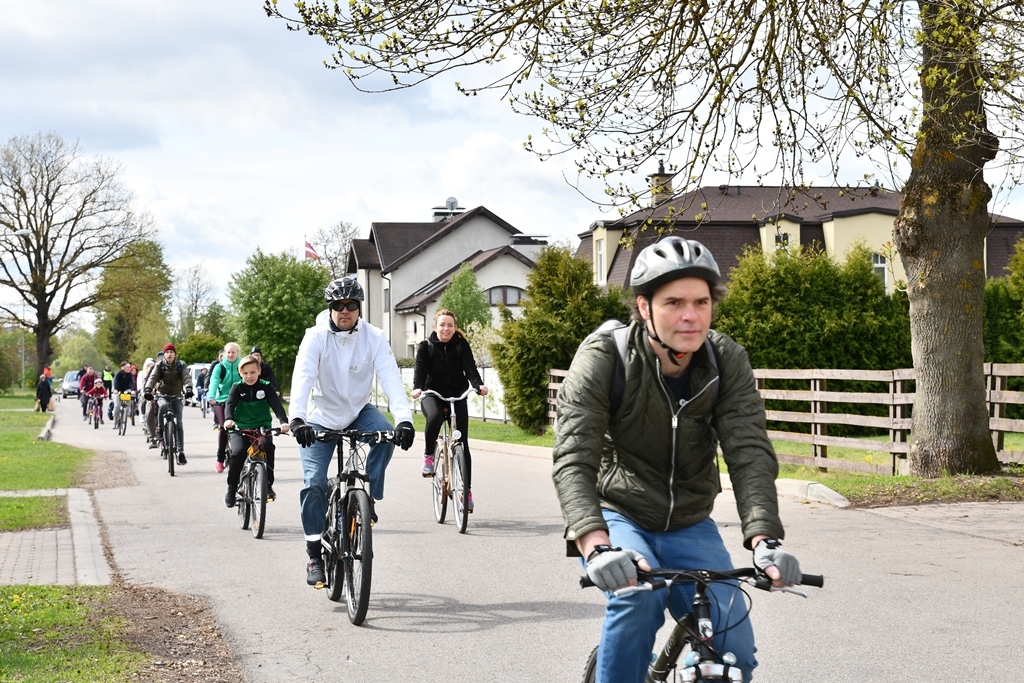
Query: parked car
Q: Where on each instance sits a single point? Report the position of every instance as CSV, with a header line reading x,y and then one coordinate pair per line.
x,y
69,387
195,370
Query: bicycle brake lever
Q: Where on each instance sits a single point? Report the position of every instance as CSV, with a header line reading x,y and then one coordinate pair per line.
x,y
632,589
788,589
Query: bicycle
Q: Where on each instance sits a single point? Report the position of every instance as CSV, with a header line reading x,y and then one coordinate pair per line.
x,y
95,412
694,633
124,405
253,485
204,404
449,466
168,425
347,539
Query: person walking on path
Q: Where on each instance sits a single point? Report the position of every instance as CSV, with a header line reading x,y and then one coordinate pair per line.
x,y
43,393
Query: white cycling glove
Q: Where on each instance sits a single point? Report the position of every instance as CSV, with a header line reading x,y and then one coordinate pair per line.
x,y
769,552
612,568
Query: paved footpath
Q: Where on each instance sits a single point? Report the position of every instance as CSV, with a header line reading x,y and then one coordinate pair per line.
x,y
928,593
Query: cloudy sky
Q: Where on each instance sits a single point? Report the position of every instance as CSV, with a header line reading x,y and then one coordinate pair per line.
x,y
232,133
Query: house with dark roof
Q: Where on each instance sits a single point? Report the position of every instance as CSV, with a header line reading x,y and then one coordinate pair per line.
x,y
405,267
729,218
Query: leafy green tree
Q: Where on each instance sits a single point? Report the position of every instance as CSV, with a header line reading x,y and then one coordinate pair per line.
x,y
78,348
200,348
214,321
562,306
804,310
133,285
274,299
733,88
154,331
466,299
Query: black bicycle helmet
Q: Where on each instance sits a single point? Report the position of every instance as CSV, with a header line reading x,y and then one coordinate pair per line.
x,y
344,289
670,259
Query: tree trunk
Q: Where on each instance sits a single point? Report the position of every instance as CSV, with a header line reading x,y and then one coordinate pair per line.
x,y
940,234
43,329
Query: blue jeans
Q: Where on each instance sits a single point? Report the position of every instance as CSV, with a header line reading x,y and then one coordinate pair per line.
x,y
631,622
316,461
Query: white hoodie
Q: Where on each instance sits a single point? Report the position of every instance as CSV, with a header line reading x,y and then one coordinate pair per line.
x,y
334,371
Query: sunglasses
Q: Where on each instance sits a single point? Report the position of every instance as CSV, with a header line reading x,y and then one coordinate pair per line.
x,y
345,306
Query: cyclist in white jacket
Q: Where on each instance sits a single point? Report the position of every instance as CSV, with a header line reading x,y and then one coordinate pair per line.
x,y
331,385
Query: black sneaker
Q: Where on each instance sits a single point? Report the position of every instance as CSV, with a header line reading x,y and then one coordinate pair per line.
x,y
153,444
229,498
373,512
315,575
181,459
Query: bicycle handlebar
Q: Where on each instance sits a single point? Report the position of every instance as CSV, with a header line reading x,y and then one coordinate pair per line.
x,y
383,436
662,578
258,431
464,396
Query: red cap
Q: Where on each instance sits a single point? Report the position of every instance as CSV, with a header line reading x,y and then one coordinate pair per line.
x,y
170,347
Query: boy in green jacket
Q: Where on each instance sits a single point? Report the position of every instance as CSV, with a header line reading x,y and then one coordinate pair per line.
x,y
248,406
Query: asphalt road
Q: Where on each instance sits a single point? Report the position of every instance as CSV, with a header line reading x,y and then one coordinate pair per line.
x,y
927,594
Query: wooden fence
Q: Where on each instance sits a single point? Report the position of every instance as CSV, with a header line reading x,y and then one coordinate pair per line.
x,y
897,396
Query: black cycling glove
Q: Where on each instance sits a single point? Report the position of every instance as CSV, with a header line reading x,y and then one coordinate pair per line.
x,y
302,432
404,434
148,396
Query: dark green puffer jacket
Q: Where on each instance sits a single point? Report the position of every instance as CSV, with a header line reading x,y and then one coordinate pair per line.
x,y
656,463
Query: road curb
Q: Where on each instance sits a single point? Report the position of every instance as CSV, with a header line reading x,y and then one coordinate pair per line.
x,y
48,429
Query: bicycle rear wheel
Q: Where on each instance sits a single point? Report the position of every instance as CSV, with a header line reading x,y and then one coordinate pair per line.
x,y
333,563
358,562
122,422
244,503
259,499
459,487
439,484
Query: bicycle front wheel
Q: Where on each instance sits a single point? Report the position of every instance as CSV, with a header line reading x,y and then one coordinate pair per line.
x,y
439,484
459,487
590,671
358,560
259,499
171,447
333,562
244,503
122,423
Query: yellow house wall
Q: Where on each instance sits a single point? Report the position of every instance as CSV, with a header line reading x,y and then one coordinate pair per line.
x,y
610,245
770,230
873,229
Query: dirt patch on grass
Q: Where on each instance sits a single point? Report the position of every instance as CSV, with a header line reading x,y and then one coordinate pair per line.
x,y
107,470
179,632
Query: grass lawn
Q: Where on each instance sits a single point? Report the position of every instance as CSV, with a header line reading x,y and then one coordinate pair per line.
x,y
51,634
26,464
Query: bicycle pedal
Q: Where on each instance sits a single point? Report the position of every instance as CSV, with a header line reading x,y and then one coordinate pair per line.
x,y
320,586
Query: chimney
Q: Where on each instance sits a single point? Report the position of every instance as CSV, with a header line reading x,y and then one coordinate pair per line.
x,y
661,185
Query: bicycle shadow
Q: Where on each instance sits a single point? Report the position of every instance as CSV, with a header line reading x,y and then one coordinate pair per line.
x,y
407,613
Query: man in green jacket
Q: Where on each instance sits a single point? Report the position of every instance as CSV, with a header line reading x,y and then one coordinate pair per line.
x,y
637,487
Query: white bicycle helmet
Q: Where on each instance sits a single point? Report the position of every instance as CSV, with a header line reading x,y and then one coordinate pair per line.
x,y
670,259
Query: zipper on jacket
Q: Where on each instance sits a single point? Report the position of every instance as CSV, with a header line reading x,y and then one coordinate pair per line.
x,y
675,433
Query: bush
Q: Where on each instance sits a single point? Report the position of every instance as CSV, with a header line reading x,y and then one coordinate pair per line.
x,y
562,306
802,310
200,348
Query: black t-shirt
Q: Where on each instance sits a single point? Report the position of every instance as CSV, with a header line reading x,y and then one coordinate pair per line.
x,y
680,386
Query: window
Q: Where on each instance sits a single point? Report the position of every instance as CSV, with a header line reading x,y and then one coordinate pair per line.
x,y
599,262
510,296
387,300
878,262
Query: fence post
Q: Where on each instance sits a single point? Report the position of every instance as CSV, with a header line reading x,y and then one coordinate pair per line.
x,y
818,428
897,411
996,409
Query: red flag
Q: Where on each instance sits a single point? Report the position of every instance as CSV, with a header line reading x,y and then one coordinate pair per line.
x,y
311,252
